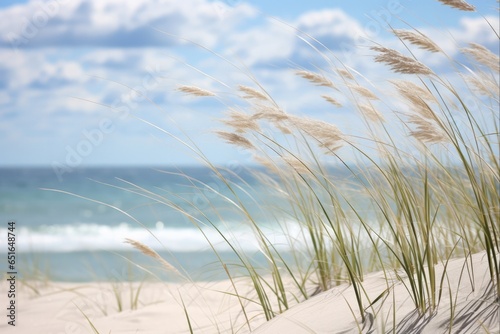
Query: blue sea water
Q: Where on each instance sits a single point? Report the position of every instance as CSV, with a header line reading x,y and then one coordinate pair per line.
x,y
73,228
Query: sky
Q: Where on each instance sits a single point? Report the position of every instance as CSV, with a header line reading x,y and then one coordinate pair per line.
x,y
70,69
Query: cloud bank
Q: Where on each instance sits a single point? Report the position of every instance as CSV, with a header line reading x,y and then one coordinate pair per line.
x,y
66,65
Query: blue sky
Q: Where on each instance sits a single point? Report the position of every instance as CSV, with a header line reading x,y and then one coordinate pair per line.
x,y
63,61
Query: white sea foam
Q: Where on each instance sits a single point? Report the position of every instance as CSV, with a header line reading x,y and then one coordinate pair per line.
x,y
94,237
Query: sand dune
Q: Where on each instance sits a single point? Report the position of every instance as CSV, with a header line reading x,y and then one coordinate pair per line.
x,y
63,307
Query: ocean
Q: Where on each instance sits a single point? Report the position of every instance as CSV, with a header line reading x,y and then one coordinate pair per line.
x,y
76,230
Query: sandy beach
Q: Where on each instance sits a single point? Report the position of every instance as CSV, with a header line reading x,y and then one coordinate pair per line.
x,y
235,167
212,307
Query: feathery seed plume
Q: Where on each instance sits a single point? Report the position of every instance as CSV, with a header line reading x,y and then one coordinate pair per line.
x,y
345,73
269,113
418,96
459,4
484,84
298,165
252,93
283,128
400,63
365,92
241,122
274,115
426,130
196,91
332,100
267,163
328,135
417,39
316,78
483,56
429,127
235,139
412,91
146,250
370,112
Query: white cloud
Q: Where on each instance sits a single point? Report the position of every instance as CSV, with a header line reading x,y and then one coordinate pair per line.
x,y
478,30
329,22
274,41
116,22
262,44
62,73
114,39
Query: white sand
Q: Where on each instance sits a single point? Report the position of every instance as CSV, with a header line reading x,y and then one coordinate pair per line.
x,y
56,308
335,311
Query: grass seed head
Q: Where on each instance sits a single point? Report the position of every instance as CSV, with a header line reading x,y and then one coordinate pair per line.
x,y
345,73
316,79
235,139
459,4
483,56
269,113
417,96
298,165
251,93
427,133
400,63
484,84
195,91
328,135
417,39
370,112
241,122
364,92
148,251
332,100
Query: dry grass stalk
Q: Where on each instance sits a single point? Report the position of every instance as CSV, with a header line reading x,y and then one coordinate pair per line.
x,y
417,39
270,113
196,91
484,84
429,136
345,73
332,100
400,63
483,55
274,115
267,163
366,93
370,112
148,251
235,139
417,96
283,128
328,135
316,78
241,122
412,91
298,165
251,93
459,4
426,130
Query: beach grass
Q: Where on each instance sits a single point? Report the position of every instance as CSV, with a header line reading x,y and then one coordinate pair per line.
x,y
428,170
423,189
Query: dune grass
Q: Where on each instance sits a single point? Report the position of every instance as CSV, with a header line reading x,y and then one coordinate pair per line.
x,y
35,273
427,170
424,187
